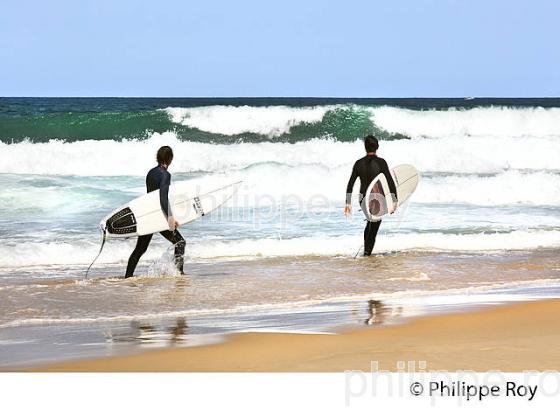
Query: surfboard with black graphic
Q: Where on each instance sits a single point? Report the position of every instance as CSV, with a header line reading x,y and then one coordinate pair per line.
x,y
189,200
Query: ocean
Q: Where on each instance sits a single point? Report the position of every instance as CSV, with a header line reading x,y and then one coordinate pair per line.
x,y
482,227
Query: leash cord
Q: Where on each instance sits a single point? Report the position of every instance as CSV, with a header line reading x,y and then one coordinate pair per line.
x,y
102,244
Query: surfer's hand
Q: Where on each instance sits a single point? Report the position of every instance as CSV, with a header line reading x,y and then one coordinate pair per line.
x,y
172,223
393,208
348,210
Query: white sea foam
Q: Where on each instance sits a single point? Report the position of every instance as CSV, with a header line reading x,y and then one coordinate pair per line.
x,y
419,277
277,120
347,245
56,253
512,187
109,158
315,186
229,120
277,184
475,122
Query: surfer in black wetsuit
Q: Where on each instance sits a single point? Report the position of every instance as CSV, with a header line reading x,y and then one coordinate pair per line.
x,y
160,178
367,168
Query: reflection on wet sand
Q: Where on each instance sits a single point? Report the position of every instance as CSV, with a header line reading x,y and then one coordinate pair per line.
x,y
174,334
379,313
145,333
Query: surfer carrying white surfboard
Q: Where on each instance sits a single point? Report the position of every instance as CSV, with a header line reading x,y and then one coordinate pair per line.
x,y
159,178
367,168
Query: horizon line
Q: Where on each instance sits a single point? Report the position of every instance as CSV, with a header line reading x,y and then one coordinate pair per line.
x,y
285,97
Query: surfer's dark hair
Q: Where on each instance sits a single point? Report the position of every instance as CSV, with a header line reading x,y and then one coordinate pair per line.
x,y
371,143
164,155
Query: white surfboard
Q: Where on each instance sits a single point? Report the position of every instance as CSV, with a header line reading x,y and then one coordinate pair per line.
x,y
188,201
378,199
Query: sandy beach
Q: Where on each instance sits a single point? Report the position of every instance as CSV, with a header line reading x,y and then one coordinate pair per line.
x,y
513,338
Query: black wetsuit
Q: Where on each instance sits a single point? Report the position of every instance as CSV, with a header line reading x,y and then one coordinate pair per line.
x,y
158,178
367,168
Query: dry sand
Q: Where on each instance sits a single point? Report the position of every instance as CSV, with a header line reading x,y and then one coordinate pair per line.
x,y
516,337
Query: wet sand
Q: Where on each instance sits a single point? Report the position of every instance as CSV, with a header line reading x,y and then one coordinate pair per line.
x,y
516,337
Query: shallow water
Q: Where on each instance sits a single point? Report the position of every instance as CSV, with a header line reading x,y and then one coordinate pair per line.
x,y
64,316
63,296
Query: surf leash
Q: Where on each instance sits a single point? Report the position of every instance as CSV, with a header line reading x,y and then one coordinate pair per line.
x,y
359,249
102,244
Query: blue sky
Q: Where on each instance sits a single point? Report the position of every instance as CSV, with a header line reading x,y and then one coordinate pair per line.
x,y
354,48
